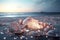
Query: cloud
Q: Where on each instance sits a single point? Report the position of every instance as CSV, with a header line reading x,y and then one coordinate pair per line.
x,y
15,6
29,5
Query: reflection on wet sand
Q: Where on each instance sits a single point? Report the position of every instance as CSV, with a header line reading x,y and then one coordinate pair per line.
x,y
29,28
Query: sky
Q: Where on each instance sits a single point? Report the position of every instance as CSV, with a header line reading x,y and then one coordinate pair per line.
x,y
29,5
